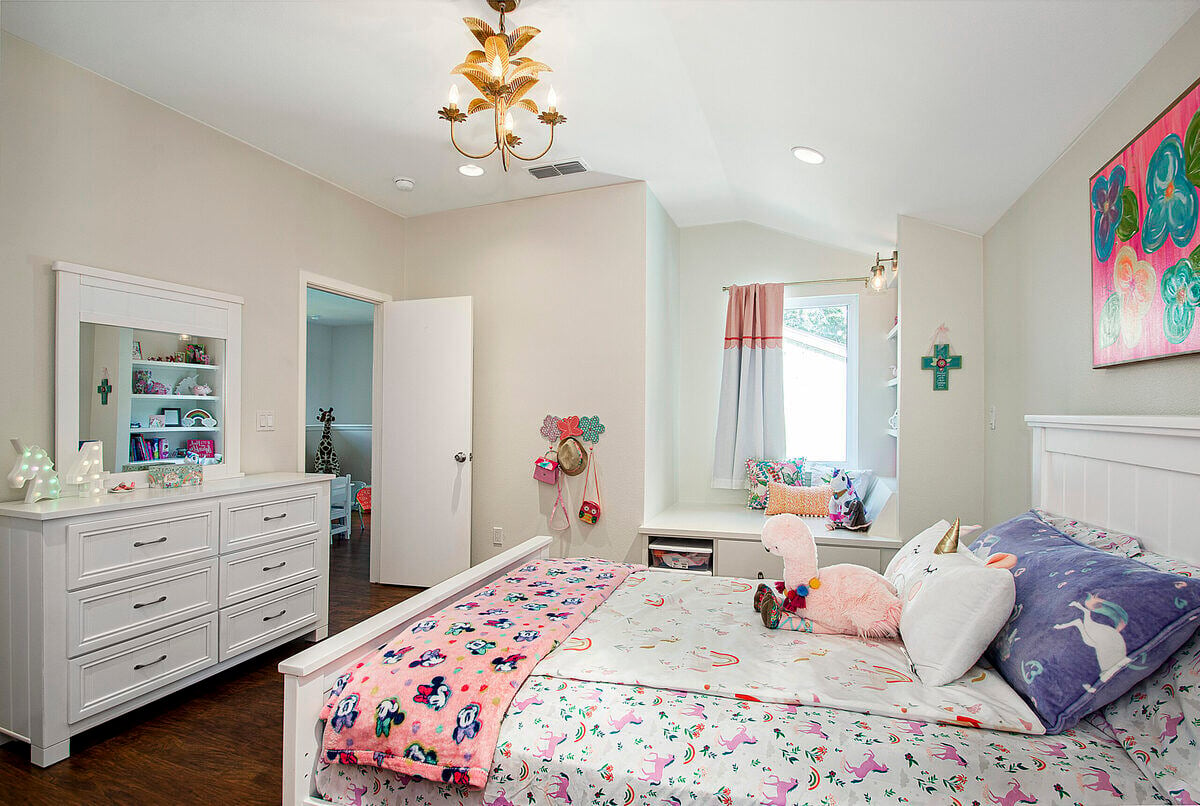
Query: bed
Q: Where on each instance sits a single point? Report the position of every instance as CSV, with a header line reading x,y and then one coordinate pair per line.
x,y
678,723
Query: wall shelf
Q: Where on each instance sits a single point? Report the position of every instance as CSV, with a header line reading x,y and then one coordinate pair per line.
x,y
171,428
894,332
146,362
894,381
175,397
893,432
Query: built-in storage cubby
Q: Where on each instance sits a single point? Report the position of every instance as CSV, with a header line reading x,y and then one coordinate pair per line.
x,y
681,554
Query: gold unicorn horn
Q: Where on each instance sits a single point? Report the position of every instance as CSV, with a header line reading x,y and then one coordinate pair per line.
x,y
949,543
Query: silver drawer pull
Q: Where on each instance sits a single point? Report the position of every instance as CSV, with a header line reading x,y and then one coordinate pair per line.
x,y
159,600
277,615
140,543
273,567
140,666
274,517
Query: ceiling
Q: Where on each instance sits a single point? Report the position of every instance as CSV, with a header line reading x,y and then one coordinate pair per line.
x,y
335,310
943,111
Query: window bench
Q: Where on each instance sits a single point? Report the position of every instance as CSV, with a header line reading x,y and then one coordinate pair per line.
x,y
731,535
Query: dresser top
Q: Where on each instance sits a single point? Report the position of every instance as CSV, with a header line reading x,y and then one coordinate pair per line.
x,y
70,507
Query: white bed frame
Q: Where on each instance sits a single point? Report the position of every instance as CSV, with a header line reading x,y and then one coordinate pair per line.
x,y
309,676
1139,475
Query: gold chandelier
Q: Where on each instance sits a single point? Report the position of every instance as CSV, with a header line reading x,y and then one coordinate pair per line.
x,y
503,83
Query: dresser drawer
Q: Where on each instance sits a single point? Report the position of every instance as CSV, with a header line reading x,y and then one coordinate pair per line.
x,y
247,625
120,673
157,537
106,614
255,520
254,572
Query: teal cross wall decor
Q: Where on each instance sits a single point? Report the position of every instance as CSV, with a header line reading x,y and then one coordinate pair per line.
x,y
104,388
941,362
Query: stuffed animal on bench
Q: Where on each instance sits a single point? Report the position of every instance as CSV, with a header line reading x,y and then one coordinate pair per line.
x,y
846,510
840,600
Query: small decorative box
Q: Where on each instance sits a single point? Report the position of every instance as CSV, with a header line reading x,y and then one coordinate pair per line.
x,y
188,475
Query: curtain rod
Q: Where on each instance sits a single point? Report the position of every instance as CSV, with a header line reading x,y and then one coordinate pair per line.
x,y
817,282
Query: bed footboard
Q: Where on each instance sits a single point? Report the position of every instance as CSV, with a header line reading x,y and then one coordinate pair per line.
x,y
309,676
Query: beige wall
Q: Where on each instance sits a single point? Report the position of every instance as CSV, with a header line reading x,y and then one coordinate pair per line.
x,y
559,287
1037,270
662,358
93,173
941,433
720,254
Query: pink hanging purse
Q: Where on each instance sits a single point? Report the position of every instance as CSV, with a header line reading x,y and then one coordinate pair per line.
x,y
545,468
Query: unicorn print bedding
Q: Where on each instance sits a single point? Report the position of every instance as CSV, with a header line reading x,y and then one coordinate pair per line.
x,y
700,633
575,742
429,702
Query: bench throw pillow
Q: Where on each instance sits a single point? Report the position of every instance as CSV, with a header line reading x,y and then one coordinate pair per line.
x,y
805,501
760,472
1087,624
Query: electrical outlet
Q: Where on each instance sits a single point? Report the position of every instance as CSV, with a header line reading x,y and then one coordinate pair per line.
x,y
264,420
497,535
992,418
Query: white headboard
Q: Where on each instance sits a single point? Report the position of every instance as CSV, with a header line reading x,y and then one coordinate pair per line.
x,y
1138,474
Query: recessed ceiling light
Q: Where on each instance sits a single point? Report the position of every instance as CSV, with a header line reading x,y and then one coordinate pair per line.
x,y
809,155
403,183
470,170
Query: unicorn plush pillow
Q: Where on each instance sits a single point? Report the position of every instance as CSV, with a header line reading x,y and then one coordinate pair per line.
x,y
1087,624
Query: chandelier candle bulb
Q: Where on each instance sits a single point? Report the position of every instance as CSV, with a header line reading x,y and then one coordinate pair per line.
x,y
508,122
453,96
551,101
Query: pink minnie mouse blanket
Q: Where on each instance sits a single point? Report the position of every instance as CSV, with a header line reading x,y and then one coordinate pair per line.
x,y
429,703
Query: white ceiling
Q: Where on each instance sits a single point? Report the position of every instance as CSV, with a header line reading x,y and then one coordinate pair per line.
x,y
944,111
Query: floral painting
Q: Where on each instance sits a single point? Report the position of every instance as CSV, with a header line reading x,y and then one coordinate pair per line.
x,y
1145,253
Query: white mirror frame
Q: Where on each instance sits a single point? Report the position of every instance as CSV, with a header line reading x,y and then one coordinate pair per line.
x,y
98,296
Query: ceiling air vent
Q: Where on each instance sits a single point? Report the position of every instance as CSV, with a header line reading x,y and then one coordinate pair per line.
x,y
558,169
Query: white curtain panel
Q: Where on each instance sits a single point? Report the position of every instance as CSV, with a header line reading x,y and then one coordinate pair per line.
x,y
750,421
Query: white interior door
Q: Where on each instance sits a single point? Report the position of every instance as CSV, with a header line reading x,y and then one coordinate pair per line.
x,y
423,498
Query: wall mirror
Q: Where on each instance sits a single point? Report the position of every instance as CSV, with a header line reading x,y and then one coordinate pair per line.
x,y
149,369
151,397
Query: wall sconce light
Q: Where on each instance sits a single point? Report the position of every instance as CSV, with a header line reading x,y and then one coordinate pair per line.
x,y
877,279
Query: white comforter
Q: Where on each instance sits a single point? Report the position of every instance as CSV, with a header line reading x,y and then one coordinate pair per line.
x,y
701,634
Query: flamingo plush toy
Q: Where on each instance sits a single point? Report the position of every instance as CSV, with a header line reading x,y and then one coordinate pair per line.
x,y
840,600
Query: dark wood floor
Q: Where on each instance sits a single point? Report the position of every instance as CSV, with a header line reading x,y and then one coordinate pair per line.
x,y
220,741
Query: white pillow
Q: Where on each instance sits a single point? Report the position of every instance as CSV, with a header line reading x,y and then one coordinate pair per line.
x,y
924,543
952,607
908,556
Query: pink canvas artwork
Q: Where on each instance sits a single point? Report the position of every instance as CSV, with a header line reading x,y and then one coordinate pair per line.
x,y
1145,253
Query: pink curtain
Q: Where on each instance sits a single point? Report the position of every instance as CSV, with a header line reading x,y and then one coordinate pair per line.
x,y
750,421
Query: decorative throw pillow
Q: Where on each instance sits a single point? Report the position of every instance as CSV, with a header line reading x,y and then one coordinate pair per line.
x,y
760,472
1081,532
1088,625
785,498
910,556
953,606
1158,720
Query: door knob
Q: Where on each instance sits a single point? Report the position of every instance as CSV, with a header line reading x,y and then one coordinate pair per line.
x,y
460,457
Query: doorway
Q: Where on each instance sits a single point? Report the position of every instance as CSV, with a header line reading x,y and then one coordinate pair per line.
x,y
340,358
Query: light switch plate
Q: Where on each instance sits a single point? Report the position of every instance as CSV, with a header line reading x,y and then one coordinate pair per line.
x,y
264,420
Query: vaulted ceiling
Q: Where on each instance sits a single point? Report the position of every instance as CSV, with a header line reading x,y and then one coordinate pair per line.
x,y
946,111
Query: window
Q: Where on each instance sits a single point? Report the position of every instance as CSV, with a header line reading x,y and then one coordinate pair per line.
x,y
820,378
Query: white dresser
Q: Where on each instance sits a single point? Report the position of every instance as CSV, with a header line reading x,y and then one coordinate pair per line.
x,y
109,603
